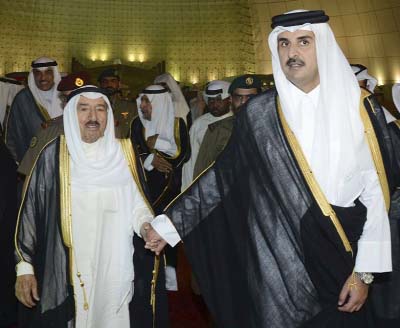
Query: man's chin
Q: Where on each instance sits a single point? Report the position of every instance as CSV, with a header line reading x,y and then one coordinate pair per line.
x,y
45,87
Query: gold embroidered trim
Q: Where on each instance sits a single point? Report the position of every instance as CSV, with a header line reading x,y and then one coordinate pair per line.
x,y
127,149
65,193
43,111
24,190
375,152
156,269
192,183
312,183
397,122
65,203
177,137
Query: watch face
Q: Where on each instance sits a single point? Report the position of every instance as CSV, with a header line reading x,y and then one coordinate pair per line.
x,y
366,278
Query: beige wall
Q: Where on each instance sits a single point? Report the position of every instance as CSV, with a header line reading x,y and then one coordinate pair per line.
x,y
199,39
368,31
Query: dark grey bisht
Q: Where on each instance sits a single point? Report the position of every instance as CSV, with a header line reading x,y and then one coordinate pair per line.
x,y
22,123
260,248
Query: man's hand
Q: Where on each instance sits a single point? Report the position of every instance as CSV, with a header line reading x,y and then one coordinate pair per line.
x,y
355,292
151,141
161,164
154,242
26,290
143,230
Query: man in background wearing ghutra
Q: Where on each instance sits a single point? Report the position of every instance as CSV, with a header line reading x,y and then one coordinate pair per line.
x,y
33,106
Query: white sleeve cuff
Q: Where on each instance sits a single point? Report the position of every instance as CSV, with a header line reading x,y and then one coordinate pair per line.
x,y
24,268
166,229
162,145
147,163
374,256
142,215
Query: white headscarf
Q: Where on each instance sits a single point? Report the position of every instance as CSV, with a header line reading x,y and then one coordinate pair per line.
x,y
180,105
217,85
362,74
339,132
47,99
109,167
162,117
396,95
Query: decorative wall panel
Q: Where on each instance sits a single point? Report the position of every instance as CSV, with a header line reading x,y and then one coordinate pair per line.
x,y
198,40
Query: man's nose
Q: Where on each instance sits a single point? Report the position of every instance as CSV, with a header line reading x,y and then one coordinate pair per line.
x,y
93,114
292,51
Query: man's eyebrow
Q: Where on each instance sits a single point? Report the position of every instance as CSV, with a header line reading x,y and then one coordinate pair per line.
x,y
282,39
83,104
304,37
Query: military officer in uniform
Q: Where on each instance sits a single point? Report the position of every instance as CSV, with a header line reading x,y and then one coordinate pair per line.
x,y
218,133
124,111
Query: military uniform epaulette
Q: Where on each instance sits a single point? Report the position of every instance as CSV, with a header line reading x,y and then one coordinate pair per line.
x,y
50,130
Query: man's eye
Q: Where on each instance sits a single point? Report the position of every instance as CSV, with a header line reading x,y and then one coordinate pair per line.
x,y
83,109
304,42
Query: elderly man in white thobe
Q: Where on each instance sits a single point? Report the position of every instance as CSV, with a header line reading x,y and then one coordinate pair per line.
x,y
82,204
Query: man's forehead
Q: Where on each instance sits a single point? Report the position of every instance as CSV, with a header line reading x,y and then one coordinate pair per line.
x,y
296,34
245,92
109,78
85,100
42,69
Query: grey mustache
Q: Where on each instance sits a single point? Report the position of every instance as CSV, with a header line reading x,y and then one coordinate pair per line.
x,y
92,123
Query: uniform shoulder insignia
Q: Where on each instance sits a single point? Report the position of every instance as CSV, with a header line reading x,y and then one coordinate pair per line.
x,y
33,142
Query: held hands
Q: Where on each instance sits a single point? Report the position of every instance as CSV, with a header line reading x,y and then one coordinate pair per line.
x,y
355,292
161,164
153,240
26,290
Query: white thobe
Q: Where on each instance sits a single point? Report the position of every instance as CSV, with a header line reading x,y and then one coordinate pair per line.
x,y
196,134
102,230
